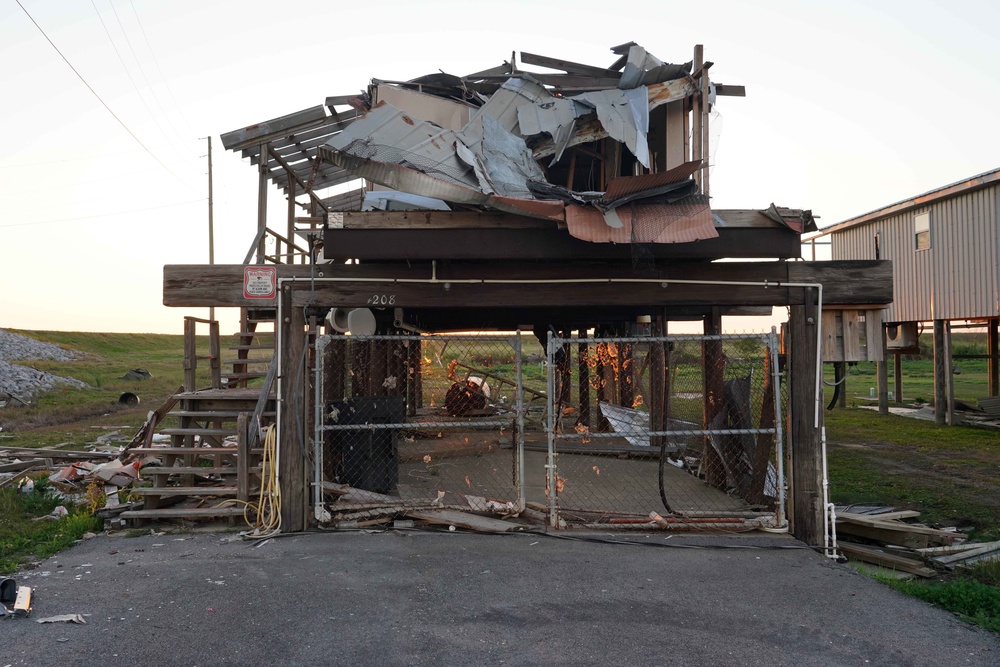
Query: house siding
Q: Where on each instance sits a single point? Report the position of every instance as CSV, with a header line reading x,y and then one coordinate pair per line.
x,y
958,277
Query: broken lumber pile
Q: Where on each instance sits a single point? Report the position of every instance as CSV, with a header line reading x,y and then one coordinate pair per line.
x,y
891,542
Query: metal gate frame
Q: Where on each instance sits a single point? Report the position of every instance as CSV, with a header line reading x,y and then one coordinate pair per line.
x,y
555,343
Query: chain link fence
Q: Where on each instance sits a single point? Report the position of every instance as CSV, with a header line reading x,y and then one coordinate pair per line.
x,y
603,430
681,425
418,422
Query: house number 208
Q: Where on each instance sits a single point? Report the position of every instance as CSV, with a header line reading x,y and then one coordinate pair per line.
x,y
382,300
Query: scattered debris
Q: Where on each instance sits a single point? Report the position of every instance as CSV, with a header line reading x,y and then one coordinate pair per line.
x,y
63,618
906,547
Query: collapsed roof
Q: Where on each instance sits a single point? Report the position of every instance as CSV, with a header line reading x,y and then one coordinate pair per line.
x,y
612,154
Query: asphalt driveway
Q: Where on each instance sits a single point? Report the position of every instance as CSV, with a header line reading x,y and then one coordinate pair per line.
x,y
419,598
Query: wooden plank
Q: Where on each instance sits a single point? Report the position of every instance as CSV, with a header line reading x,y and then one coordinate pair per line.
x,y
222,491
465,520
884,516
385,220
879,557
21,465
184,450
189,470
874,335
851,335
883,534
55,453
847,282
833,348
184,513
567,66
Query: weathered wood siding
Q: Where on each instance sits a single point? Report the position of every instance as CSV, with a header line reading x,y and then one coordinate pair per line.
x,y
956,278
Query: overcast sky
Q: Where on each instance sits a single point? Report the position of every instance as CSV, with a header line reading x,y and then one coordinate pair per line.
x,y
103,174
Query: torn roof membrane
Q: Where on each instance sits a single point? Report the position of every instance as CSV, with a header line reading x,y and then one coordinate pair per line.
x,y
492,160
579,144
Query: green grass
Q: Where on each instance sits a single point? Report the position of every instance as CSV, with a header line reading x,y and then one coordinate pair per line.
x,y
22,539
969,598
66,415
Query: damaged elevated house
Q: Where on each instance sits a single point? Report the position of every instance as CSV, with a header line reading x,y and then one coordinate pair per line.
x,y
464,318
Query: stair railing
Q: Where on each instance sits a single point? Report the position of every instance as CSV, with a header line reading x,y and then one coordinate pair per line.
x,y
191,356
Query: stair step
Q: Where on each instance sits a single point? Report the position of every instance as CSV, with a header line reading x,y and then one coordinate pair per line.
x,y
250,347
213,414
249,360
164,491
207,451
243,376
192,470
198,431
184,513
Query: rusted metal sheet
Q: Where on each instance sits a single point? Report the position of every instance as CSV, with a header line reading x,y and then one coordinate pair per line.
x,y
670,223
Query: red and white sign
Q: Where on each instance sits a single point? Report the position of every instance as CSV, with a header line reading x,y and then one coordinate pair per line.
x,y
260,282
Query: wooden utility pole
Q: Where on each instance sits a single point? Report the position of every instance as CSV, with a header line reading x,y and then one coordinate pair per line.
x,y
807,456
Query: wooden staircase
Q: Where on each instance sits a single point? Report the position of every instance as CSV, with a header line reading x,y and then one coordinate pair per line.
x,y
254,347
202,466
213,455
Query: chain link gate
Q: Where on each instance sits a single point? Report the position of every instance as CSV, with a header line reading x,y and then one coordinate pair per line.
x,y
411,423
685,431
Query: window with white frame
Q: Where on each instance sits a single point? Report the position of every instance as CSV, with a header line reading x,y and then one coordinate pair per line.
x,y
922,230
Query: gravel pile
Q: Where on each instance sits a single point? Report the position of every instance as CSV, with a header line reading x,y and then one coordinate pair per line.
x,y
25,382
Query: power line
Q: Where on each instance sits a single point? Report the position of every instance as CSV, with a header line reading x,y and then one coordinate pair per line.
x,y
149,86
149,47
99,99
125,67
105,215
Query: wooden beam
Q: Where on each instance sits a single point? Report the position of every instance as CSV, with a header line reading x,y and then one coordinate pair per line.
x,y
388,220
198,285
806,453
546,244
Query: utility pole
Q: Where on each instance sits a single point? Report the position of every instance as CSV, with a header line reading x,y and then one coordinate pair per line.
x,y
211,224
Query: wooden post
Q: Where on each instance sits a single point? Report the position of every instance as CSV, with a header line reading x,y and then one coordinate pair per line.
x,y
949,376
806,451
262,199
626,387
214,354
697,134
565,371
706,154
883,375
290,235
657,382
601,378
583,381
292,401
190,354
243,457
897,375
713,361
940,368
764,441
993,363
839,375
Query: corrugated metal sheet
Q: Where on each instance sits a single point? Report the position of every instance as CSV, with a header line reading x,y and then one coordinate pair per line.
x,y
958,277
